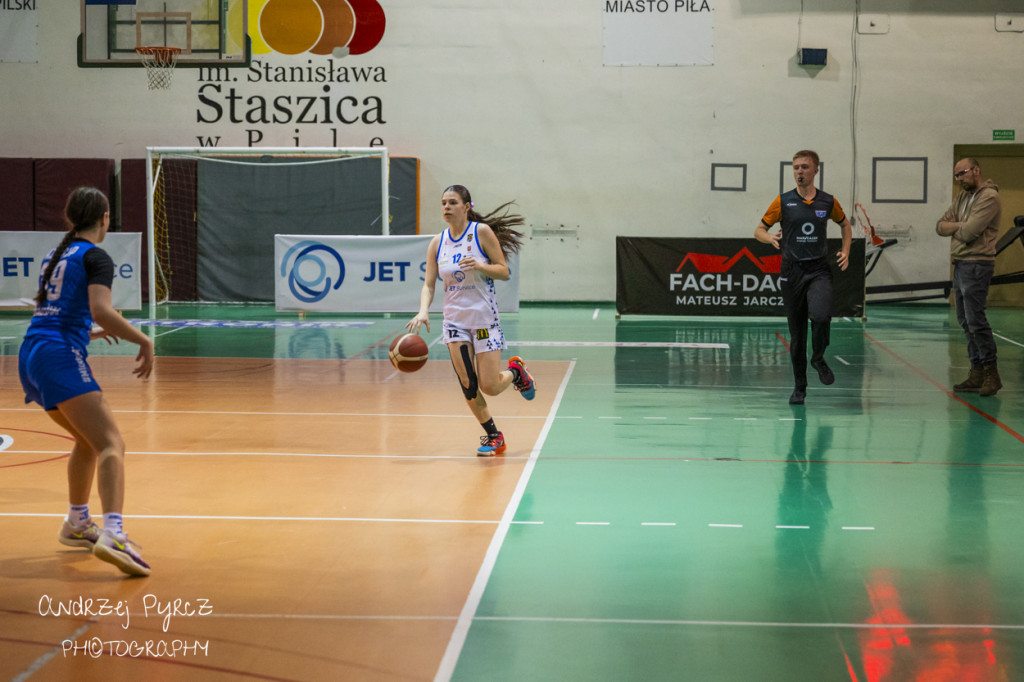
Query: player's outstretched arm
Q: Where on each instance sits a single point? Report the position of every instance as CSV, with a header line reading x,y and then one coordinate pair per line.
x,y
114,325
427,292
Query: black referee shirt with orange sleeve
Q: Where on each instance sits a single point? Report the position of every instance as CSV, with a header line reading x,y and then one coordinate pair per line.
x,y
804,223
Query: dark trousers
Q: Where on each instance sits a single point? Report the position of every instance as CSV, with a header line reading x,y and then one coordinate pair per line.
x,y
807,295
971,279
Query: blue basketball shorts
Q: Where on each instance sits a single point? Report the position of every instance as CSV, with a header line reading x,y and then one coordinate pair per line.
x,y
53,371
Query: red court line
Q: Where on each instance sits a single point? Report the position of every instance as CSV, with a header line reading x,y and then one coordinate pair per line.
x,y
37,461
949,393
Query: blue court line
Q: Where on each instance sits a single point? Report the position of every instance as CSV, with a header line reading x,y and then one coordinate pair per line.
x,y
253,324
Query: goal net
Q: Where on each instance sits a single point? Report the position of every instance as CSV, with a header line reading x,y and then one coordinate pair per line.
x,y
213,213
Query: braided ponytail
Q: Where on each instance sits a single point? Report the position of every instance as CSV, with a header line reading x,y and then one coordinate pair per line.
x,y
85,208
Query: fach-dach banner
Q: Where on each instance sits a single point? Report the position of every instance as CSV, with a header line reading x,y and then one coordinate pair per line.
x,y
676,276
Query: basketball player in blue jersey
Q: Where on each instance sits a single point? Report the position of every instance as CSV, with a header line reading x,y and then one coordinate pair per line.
x,y
74,292
468,256
806,279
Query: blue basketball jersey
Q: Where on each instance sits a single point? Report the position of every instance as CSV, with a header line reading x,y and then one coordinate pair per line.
x,y
66,314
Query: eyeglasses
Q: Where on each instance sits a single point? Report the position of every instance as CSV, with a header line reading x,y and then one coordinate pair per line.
x,y
957,176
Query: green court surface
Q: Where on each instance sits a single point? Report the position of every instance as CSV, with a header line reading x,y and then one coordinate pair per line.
x,y
681,521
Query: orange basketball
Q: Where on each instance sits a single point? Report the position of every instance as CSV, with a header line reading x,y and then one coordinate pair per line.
x,y
408,352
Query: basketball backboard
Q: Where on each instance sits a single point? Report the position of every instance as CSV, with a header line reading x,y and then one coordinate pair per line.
x,y
206,31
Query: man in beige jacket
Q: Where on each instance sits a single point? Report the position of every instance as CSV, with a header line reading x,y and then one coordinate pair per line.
x,y
972,224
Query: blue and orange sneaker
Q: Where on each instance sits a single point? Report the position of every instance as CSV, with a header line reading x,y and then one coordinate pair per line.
x,y
85,536
525,383
119,550
491,444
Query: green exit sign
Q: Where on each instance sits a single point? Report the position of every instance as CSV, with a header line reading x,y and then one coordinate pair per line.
x,y
1003,135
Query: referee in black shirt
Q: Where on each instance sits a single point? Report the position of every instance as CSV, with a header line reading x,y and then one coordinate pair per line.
x,y
806,279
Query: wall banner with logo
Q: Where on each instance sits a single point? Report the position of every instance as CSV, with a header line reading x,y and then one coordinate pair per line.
x,y
19,31
674,276
362,274
659,32
21,255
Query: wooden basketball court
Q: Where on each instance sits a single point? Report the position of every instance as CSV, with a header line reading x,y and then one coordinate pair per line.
x,y
329,517
661,513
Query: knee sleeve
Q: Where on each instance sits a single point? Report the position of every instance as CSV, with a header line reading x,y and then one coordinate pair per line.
x,y
469,391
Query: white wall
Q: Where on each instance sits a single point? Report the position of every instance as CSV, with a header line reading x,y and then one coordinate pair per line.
x,y
511,99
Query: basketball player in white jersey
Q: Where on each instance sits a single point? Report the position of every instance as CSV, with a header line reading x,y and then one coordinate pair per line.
x,y
468,256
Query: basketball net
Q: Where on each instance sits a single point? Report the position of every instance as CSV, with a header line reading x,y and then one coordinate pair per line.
x,y
159,63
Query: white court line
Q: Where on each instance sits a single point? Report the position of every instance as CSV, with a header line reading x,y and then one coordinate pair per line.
x,y
367,519
317,519
169,331
1009,340
617,344
597,311
621,621
385,415
38,664
313,616
221,453
476,593
757,624
842,361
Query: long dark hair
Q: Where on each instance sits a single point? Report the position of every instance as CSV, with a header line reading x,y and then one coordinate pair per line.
x,y
85,208
509,239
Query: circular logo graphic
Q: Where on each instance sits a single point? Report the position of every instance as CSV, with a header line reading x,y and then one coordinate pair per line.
x,y
324,27
807,228
459,276
309,277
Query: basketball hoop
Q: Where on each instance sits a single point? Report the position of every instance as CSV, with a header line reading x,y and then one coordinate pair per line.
x,y
159,62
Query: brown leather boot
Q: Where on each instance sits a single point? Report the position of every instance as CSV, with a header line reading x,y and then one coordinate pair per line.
x,y
973,382
991,383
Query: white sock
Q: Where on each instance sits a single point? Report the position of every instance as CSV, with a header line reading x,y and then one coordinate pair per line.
x,y
78,514
113,523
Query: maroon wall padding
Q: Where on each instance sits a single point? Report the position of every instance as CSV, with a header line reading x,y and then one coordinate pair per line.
x,y
54,180
133,210
17,200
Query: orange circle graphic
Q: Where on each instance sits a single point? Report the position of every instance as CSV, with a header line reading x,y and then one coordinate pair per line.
x,y
317,26
291,26
339,25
